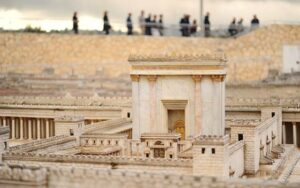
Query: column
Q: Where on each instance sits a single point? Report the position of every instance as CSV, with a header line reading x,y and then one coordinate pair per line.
x,y
38,124
219,102
13,128
29,129
198,105
21,128
135,107
4,122
47,128
295,134
152,97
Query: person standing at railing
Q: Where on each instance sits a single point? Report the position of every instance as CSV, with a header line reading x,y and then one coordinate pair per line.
x,y
129,25
75,23
161,25
142,22
148,25
154,26
254,22
185,26
232,28
106,25
194,27
240,27
206,25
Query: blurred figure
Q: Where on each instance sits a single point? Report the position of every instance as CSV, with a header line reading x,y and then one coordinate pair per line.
x,y
148,25
129,24
240,26
75,23
154,26
185,25
194,27
254,22
161,25
232,28
106,25
142,22
206,25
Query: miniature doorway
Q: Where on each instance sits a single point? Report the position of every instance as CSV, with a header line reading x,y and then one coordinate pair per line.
x,y
176,122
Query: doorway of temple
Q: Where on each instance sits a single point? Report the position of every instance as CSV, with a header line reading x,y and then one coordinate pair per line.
x,y
159,153
179,128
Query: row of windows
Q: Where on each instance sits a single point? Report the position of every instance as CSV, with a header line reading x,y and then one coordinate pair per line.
x,y
101,142
213,151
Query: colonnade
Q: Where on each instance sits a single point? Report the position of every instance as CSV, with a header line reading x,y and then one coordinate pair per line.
x,y
29,128
290,133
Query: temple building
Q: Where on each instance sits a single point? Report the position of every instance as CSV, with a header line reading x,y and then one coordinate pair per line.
x,y
173,124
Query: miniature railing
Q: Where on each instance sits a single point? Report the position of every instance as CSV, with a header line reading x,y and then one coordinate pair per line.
x,y
36,142
41,157
66,101
257,102
109,124
267,124
236,146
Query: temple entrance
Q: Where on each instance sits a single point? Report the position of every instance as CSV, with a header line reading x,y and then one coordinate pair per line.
x,y
159,153
176,122
179,128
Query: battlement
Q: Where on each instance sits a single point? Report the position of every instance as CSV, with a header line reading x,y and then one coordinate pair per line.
x,y
211,140
262,102
67,100
26,175
69,118
65,176
200,59
42,157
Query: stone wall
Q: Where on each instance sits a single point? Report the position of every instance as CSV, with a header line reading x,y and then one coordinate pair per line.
x,y
4,135
250,57
69,177
236,158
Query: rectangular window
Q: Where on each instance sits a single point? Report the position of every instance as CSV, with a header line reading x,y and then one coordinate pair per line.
x,y
128,114
171,156
213,150
273,114
240,137
147,155
71,132
203,150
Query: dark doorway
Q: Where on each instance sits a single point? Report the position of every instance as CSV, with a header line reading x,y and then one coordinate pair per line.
x,y
289,132
298,134
159,153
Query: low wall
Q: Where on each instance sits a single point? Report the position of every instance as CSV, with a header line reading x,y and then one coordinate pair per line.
x,y
236,158
116,161
250,57
89,177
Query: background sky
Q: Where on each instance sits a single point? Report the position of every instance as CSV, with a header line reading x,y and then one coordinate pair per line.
x,y
56,14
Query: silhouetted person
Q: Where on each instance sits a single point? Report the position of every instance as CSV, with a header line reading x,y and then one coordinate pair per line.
x,y
254,22
232,28
75,23
185,26
194,27
206,25
240,27
106,25
142,22
148,25
161,25
129,24
154,26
